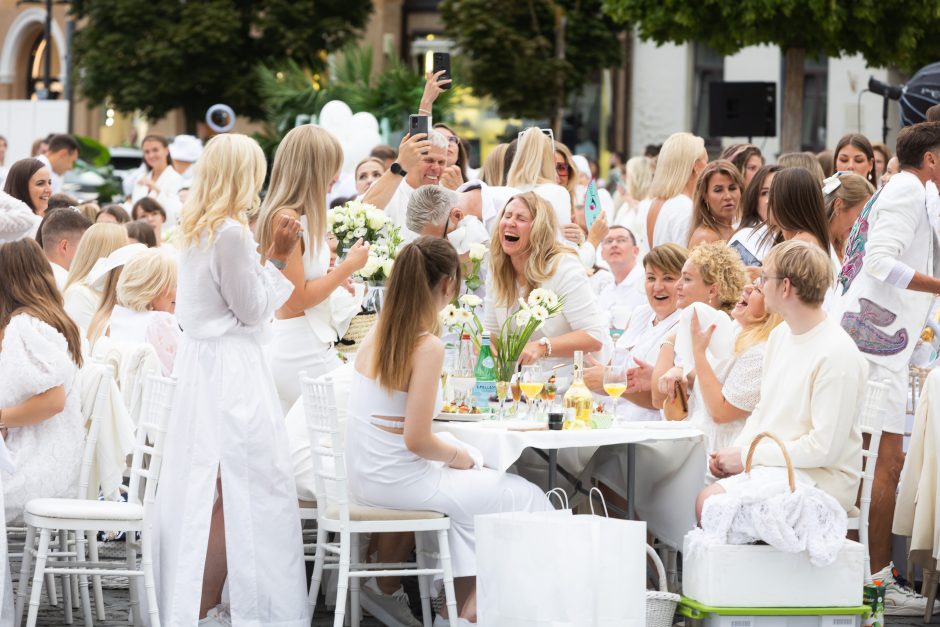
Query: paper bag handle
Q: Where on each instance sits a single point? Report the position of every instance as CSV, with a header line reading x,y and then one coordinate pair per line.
x,y
512,498
600,495
561,495
783,448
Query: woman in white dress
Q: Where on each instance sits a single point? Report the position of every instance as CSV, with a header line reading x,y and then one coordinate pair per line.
x,y
81,298
394,459
157,178
533,169
40,412
144,306
306,165
524,255
666,214
226,434
749,239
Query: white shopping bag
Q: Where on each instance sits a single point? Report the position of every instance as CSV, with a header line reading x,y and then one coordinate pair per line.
x,y
553,569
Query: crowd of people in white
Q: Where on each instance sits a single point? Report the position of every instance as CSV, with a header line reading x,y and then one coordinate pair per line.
x,y
825,279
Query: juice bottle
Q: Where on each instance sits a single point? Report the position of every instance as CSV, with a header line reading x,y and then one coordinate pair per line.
x,y
578,397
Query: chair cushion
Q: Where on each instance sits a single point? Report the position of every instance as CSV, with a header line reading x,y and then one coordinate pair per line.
x,y
363,512
82,508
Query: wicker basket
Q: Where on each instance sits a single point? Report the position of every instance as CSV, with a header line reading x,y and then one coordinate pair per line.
x,y
660,604
360,325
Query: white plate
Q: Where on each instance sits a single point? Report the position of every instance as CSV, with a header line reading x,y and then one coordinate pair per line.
x,y
461,417
664,425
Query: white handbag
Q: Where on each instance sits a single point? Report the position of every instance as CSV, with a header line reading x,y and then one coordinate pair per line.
x,y
554,569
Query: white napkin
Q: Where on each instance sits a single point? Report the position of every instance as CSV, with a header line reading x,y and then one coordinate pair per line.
x,y
474,452
469,231
721,345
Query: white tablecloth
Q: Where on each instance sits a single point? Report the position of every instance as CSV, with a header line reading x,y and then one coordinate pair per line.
x,y
669,462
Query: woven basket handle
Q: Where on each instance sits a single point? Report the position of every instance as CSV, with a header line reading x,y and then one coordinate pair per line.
x,y
783,448
658,564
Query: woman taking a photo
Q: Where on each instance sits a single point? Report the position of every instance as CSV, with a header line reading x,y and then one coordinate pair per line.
x,y
394,459
307,163
226,479
716,206
525,254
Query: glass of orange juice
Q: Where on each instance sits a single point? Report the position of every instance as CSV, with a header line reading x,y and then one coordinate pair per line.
x,y
615,383
531,382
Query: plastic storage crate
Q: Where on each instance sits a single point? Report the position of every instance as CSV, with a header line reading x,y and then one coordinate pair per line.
x,y
699,615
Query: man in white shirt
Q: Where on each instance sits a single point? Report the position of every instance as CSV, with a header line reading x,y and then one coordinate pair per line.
x,y
60,158
883,297
436,211
59,234
393,190
619,291
814,380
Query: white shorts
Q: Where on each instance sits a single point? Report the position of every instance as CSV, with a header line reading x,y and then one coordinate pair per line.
x,y
763,481
896,398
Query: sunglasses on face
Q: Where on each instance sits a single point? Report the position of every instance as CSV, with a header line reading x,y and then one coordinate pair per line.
x,y
562,168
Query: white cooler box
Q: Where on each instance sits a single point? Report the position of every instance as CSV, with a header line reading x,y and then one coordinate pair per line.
x,y
762,576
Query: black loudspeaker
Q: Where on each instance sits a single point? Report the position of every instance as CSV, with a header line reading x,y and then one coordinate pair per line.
x,y
742,109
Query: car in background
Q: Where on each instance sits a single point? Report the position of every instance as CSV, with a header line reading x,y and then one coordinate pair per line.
x,y
88,183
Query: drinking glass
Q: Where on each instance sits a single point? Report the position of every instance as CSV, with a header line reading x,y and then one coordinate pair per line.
x,y
531,382
615,383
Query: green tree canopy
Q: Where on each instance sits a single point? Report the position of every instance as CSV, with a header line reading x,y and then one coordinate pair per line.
x,y
508,49
157,56
884,32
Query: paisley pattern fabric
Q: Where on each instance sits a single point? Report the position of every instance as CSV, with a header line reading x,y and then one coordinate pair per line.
x,y
863,329
855,248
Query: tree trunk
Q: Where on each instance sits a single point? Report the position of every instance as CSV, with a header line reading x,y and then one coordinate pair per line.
x,y
792,126
558,109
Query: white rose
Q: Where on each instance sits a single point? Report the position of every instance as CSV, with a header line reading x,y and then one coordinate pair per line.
x,y
387,267
372,265
477,252
376,220
471,300
360,220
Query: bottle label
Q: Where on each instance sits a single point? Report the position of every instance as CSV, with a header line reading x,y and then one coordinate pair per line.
x,y
488,362
482,391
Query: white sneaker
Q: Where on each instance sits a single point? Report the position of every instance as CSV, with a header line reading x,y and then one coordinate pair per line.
x,y
900,598
392,609
219,616
440,621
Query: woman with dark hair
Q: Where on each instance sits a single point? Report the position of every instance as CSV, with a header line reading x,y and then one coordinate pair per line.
x,y
157,178
139,231
854,153
716,204
796,209
747,158
39,401
753,226
113,213
151,212
394,458
882,157
30,181
456,158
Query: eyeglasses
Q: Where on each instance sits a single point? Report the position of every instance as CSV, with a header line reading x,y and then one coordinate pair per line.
x,y
763,278
562,168
622,241
453,139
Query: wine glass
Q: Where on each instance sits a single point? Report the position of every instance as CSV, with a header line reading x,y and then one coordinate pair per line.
x,y
615,383
531,382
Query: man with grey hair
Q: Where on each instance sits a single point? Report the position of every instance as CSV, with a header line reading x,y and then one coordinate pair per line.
x,y
420,162
437,211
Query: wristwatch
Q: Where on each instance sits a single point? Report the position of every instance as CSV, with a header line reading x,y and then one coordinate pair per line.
x,y
397,169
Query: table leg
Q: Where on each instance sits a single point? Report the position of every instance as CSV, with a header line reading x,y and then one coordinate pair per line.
x,y
631,481
552,468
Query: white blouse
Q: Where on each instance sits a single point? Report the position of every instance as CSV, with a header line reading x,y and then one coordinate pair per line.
x,y
578,313
642,338
169,185
81,303
157,328
223,288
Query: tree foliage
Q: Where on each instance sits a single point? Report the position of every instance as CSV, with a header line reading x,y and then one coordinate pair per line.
x,y
884,32
507,49
157,56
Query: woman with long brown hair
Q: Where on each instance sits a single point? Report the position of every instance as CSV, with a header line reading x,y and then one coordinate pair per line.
x,y
854,153
157,178
30,181
716,204
40,413
394,459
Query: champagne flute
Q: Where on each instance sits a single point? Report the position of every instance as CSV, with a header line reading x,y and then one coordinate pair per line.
x,y
615,383
531,381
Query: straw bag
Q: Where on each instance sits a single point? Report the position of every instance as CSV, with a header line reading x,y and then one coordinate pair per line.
x,y
678,407
791,478
660,604
358,328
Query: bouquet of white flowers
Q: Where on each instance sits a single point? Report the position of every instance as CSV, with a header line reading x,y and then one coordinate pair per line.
x,y
462,317
354,221
515,332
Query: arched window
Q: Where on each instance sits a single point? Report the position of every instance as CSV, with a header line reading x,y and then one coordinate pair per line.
x,y
35,74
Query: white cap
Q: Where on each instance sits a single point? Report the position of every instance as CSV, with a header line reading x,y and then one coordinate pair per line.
x,y
580,162
185,148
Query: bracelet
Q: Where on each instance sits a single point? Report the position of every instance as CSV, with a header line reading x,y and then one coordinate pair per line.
x,y
669,342
424,111
280,265
547,343
454,458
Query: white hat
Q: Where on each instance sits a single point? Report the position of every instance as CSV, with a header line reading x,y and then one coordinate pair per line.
x,y
580,162
104,265
185,148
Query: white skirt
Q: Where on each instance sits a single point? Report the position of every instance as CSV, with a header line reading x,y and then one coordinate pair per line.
x,y
294,348
384,473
